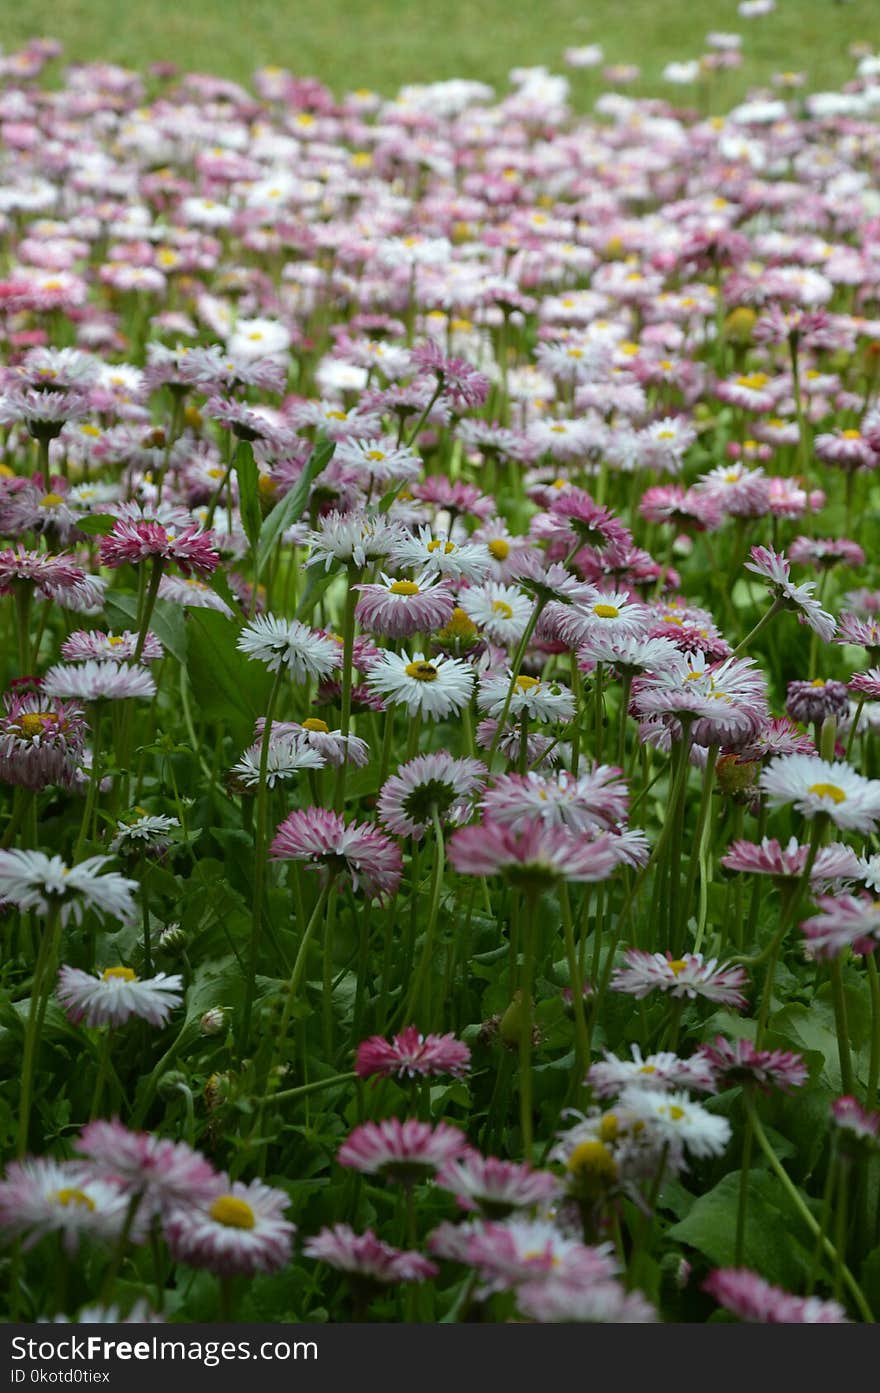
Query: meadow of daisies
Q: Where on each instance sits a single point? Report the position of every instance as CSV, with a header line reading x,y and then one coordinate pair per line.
x,y
439,858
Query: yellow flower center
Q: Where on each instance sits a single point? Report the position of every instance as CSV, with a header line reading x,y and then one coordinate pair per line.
x,y
851,434
33,723
499,549
51,500
404,587
335,415
72,1196
503,608
375,454
422,672
232,1212
123,974
114,640
675,1112
525,684
609,1127
606,611
831,791
818,682
448,547
313,723
676,966
592,1158
460,625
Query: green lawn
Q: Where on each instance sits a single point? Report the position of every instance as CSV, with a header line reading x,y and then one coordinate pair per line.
x,y
384,43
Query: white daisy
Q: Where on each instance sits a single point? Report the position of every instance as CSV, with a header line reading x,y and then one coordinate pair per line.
x,y
436,552
538,700
150,830
99,681
351,537
287,643
115,995
286,756
815,785
681,1123
433,687
501,611
33,880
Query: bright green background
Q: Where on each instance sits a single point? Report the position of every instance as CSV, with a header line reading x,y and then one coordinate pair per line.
x,y
385,43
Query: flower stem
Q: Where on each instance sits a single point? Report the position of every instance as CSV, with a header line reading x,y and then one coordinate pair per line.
x,y
41,986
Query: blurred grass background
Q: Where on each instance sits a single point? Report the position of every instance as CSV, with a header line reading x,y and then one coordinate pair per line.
x,y
383,44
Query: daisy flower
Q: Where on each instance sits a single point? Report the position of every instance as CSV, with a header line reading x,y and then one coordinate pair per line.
x,y
774,567
737,1062
768,857
324,841
843,921
152,832
856,1124
405,1151
331,745
811,702
133,541
411,1055
354,538
663,1071
532,698
165,1173
750,1298
366,1257
434,781
682,1124
99,681
84,644
502,612
691,976
496,1188
435,552
814,785
435,688
614,612
518,1249
31,880
115,995
288,754
240,1230
595,799
531,855
287,643
40,1196
400,608
596,1303
41,741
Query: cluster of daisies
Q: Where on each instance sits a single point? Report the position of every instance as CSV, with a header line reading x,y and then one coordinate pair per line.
x,y
439,794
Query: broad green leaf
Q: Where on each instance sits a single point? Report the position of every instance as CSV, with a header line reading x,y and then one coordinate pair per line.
x,y
249,491
775,1237
227,687
167,622
97,524
293,505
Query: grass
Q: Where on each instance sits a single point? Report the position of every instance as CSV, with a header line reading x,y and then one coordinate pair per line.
x,y
385,43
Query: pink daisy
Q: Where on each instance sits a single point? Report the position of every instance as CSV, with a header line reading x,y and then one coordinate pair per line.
x,y
400,608
237,1230
496,1188
325,842
750,1298
435,781
366,1257
691,976
164,1173
411,1055
531,855
737,1062
405,1151
132,542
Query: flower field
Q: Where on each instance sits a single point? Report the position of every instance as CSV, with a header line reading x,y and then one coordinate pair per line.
x,y
439,859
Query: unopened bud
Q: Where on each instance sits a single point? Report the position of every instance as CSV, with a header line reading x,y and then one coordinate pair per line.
x,y
213,1021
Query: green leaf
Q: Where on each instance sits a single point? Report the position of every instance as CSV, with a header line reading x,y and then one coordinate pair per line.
x,y
97,524
293,505
228,688
249,491
167,623
771,1245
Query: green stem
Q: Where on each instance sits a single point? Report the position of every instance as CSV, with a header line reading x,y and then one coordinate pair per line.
x,y
582,1039
743,1202
101,1076
874,1063
353,576
420,991
777,606
794,1195
838,997
149,605
259,868
525,1025
41,987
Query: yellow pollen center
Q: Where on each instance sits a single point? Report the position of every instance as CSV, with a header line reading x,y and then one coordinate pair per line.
x,y
499,549
677,965
818,682
422,672
448,547
122,974
503,608
51,500
851,434
404,587
609,1127
232,1212
34,722
606,611
375,454
313,723
675,1113
69,1196
525,684
592,1158
831,791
